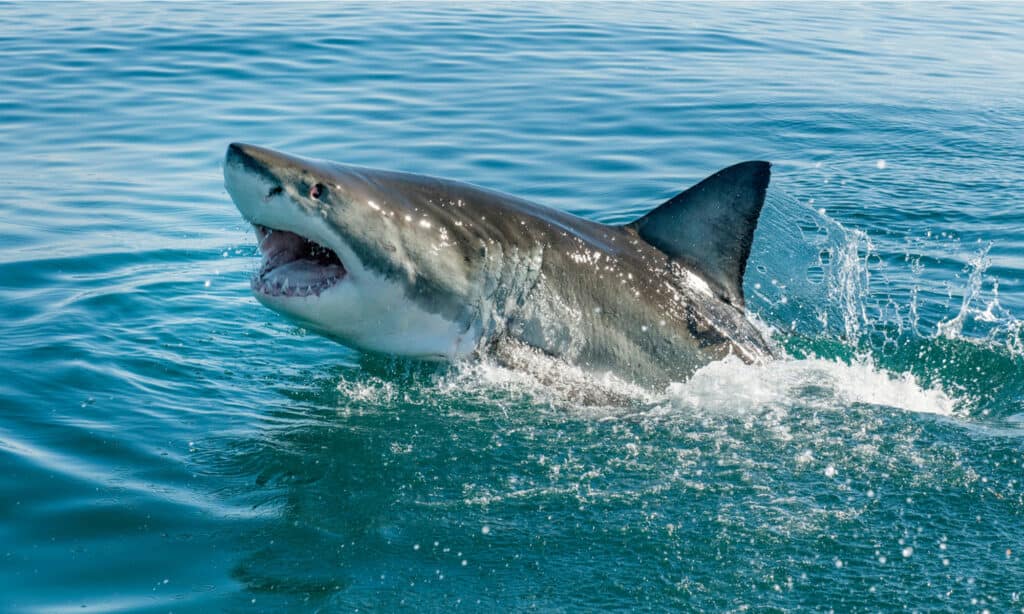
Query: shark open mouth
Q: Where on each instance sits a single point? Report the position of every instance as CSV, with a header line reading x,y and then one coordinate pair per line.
x,y
294,265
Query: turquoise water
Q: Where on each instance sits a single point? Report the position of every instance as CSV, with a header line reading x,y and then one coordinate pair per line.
x,y
167,444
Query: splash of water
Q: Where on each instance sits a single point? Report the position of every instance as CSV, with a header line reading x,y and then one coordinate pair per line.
x,y
981,309
860,304
724,386
871,301
732,386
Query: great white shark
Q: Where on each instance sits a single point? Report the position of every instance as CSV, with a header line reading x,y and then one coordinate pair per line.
x,y
435,269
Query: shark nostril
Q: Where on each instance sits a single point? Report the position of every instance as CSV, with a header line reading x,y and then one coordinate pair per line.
x,y
274,191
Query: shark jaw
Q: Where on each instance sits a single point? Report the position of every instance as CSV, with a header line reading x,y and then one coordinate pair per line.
x,y
294,266
302,259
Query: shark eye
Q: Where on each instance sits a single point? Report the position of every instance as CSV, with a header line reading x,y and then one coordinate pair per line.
x,y
317,190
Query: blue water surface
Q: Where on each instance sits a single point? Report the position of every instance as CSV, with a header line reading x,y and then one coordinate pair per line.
x,y
167,444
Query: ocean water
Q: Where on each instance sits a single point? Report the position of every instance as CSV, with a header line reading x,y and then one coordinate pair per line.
x,y
167,444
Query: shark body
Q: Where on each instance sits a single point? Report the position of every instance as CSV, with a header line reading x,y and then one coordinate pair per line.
x,y
435,269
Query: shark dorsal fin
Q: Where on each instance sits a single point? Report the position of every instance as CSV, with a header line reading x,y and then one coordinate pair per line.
x,y
710,227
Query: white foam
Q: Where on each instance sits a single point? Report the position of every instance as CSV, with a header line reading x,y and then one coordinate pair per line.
x,y
732,385
728,385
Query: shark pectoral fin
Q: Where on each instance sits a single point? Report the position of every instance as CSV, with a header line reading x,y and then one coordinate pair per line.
x,y
709,228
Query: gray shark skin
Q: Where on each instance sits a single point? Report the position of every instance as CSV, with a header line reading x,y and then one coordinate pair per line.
x,y
435,269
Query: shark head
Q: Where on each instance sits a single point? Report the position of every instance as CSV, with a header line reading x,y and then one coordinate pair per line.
x,y
367,257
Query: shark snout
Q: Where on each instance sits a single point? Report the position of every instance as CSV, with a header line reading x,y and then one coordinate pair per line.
x,y
241,155
269,165
247,180
257,159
